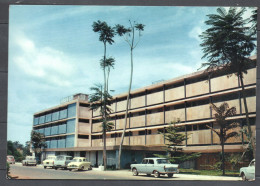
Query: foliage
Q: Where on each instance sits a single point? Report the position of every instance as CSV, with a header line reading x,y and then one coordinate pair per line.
x,y
17,150
129,36
227,45
221,114
174,146
38,143
234,159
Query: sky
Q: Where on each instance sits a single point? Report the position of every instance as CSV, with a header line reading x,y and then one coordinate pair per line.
x,y
54,53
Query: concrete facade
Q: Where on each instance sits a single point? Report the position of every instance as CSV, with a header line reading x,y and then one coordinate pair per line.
x,y
75,129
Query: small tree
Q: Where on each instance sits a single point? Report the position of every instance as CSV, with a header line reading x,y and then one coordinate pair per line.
x,y
38,143
130,37
174,149
225,126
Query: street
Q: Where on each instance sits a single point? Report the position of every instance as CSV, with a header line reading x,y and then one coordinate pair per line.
x,y
38,172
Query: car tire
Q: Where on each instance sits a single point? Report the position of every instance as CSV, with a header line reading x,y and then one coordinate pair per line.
x,y
148,175
44,167
65,168
243,176
135,172
170,175
56,168
70,169
156,174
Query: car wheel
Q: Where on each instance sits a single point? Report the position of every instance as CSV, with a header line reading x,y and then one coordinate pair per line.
x,y
90,168
135,172
45,167
156,174
148,174
56,168
243,176
70,169
170,175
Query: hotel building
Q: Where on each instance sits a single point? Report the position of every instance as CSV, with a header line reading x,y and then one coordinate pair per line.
x,y
73,128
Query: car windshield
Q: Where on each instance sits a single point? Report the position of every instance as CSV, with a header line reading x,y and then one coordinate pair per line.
x,y
60,158
75,160
10,157
51,158
162,161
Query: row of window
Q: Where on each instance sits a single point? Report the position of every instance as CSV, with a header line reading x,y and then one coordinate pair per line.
x,y
63,128
67,112
188,81
63,142
205,101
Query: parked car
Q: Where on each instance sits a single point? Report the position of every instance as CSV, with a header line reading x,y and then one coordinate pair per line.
x,y
62,161
79,163
29,160
248,173
155,166
49,162
10,159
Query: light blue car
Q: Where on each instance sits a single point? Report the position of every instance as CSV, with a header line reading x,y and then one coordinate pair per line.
x,y
155,166
248,173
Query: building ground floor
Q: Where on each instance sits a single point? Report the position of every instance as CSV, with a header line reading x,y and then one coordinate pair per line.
x,y
210,156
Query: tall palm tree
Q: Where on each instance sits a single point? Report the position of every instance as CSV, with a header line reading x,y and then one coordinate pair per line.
x,y
227,45
222,112
106,34
129,36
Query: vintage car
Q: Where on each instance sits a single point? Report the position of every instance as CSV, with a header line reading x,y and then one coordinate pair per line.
x,y
248,173
62,161
49,162
155,166
10,159
29,160
79,163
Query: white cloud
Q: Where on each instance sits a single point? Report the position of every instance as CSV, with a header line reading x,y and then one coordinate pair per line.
x,y
46,63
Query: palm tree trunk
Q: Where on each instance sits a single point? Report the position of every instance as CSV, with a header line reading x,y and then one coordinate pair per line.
x,y
223,157
126,112
247,115
104,149
104,114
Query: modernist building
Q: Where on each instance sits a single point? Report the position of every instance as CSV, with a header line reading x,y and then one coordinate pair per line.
x,y
72,128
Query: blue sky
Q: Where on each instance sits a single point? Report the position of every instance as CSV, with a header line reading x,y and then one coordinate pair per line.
x,y
53,53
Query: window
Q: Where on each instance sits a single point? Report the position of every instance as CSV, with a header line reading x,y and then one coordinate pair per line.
x,y
150,162
144,161
141,132
188,128
83,136
84,120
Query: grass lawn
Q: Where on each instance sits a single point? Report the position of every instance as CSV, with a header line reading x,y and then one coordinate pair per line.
x,y
209,172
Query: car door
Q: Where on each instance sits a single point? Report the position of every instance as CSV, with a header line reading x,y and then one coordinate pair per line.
x,y
251,171
149,166
141,168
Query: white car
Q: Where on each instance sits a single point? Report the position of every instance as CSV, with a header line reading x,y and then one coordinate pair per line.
x,y
248,173
49,162
79,163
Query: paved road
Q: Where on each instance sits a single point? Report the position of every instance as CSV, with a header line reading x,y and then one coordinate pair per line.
x,y
38,172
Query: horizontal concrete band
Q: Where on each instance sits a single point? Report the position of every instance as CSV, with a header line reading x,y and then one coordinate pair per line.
x,y
202,149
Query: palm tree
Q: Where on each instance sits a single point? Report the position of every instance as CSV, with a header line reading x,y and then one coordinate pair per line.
x,y
129,37
227,45
106,34
222,112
